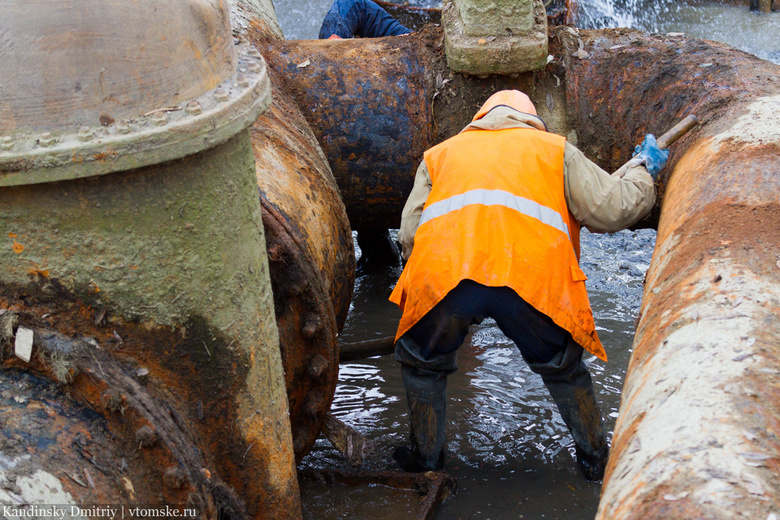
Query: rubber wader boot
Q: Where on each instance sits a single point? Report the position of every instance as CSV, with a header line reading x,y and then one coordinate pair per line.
x,y
425,382
572,390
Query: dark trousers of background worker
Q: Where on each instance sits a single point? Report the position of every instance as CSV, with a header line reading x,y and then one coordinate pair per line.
x,y
427,356
363,18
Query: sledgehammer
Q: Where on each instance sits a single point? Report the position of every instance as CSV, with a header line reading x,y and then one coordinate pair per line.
x,y
666,140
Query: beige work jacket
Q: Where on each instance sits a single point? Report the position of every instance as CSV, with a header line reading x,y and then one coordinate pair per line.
x,y
600,202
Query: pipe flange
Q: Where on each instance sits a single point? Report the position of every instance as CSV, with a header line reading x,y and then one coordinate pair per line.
x,y
160,135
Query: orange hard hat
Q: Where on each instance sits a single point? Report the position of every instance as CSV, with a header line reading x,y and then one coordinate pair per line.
x,y
511,98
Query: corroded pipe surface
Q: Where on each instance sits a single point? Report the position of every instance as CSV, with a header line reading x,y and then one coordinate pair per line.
x,y
367,103
375,105
696,431
309,244
176,246
81,427
145,232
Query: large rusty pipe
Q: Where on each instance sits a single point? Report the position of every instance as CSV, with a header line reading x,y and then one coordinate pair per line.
x,y
367,102
130,207
696,435
375,105
81,429
309,243
311,257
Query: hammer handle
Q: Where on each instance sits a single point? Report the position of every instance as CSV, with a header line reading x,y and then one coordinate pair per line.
x,y
666,140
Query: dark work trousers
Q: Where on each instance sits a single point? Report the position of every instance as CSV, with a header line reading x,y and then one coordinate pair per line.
x,y
363,18
427,356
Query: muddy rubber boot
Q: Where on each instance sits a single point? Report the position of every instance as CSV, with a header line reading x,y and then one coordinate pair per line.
x,y
578,407
572,391
425,382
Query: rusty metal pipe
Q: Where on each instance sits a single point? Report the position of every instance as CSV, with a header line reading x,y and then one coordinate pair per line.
x,y
666,140
365,349
694,437
375,105
309,244
128,199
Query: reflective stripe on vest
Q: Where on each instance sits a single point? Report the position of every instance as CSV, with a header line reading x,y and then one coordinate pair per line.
x,y
497,215
522,205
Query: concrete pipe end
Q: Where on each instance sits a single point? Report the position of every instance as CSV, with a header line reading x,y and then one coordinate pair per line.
x,y
93,90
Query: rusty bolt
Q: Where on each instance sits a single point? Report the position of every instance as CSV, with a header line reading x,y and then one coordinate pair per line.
x,y
86,134
317,366
312,326
46,140
174,478
194,108
313,405
221,94
113,401
147,437
274,252
7,142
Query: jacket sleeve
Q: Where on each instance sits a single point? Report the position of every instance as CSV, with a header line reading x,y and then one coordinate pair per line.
x,y
410,217
603,203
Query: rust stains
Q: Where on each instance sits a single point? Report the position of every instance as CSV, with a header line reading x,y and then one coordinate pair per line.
x,y
166,397
368,105
664,76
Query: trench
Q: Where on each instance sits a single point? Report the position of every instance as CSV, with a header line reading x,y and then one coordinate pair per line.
x,y
507,446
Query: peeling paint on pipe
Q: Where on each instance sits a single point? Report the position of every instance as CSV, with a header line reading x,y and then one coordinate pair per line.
x,y
696,435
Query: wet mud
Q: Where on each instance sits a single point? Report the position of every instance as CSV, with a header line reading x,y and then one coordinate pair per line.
x,y
508,448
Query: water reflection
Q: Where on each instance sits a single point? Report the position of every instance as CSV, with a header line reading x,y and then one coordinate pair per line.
x,y
507,445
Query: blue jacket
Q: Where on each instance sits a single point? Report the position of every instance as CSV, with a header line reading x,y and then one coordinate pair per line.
x,y
364,18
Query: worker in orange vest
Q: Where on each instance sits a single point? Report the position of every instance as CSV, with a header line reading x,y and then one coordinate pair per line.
x,y
491,229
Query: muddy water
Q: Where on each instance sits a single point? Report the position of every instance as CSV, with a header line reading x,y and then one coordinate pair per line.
x,y
507,446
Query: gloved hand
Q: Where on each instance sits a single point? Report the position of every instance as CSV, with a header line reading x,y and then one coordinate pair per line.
x,y
653,157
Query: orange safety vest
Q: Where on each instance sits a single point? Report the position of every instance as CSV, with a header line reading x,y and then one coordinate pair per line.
x,y
497,215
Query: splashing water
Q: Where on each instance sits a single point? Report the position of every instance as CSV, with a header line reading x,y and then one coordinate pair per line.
x,y
729,22
753,32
